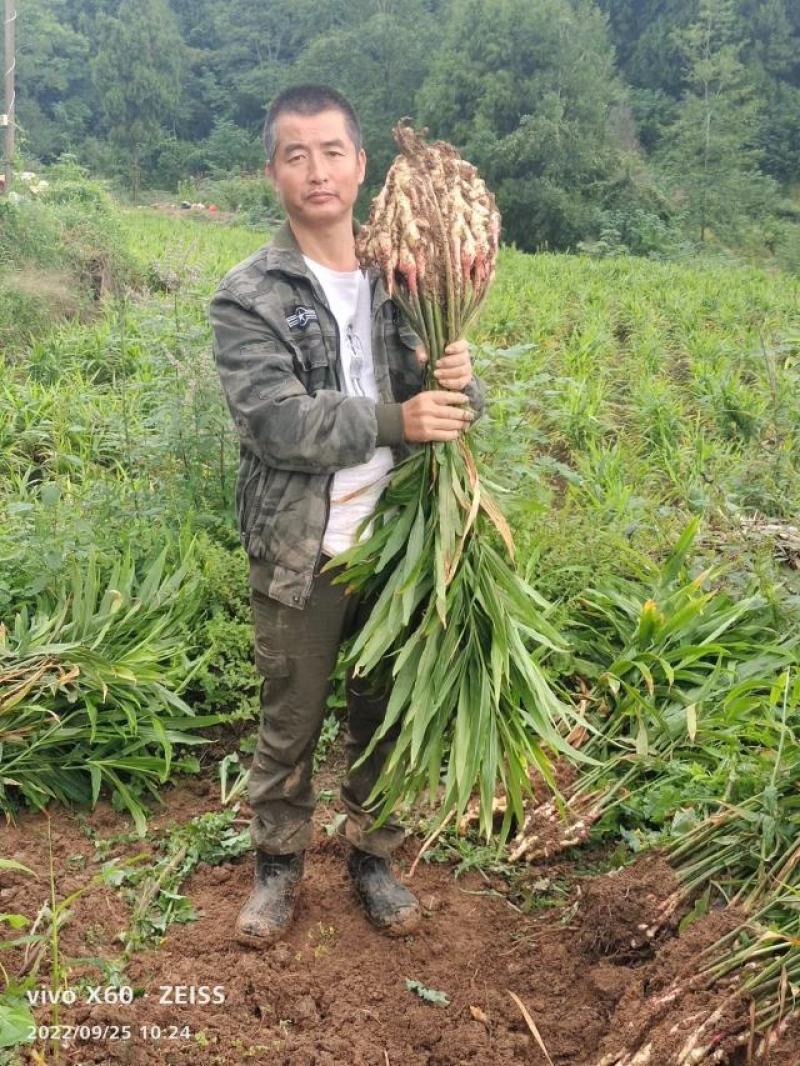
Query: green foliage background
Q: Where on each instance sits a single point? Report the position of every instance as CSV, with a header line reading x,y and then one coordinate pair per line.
x,y
591,119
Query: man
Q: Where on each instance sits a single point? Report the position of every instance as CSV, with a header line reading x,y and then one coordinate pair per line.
x,y
324,381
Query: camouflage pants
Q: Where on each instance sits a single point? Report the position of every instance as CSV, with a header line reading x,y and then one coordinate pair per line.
x,y
295,654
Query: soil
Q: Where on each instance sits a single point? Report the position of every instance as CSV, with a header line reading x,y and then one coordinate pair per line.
x,y
621,910
334,993
661,1009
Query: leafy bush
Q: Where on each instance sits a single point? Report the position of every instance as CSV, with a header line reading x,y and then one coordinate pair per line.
x,y
226,680
249,195
634,230
71,183
227,150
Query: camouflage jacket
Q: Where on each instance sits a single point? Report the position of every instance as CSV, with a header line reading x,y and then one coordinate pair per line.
x,y
276,347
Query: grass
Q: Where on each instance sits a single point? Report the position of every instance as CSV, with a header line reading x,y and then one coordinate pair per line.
x,y
627,396
633,394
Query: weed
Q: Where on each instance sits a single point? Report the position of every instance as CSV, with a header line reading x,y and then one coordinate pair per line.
x,y
153,890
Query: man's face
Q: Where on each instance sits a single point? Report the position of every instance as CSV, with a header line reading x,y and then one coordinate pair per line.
x,y
316,171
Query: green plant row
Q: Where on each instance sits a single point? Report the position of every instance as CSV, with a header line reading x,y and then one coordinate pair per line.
x,y
90,690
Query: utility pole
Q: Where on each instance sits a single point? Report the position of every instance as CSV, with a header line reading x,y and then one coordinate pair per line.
x,y
7,117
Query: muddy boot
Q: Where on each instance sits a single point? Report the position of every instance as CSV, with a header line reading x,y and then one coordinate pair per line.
x,y
389,905
268,911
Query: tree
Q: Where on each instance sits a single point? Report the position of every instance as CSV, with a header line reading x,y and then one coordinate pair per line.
x,y
56,101
137,73
710,152
779,136
257,43
642,32
649,58
378,59
529,93
772,53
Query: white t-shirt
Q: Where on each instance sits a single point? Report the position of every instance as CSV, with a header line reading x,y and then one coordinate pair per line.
x,y
348,295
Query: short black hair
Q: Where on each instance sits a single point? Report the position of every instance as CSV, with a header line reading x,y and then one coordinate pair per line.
x,y
309,100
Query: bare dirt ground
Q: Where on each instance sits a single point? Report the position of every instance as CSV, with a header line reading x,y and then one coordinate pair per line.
x,y
334,992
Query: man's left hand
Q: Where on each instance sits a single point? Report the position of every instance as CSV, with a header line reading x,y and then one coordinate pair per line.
x,y
454,369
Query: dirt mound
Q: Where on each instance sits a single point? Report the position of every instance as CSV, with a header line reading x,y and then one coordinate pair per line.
x,y
621,911
661,1011
334,991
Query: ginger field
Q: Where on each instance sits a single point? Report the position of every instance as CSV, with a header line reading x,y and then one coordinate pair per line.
x,y
643,438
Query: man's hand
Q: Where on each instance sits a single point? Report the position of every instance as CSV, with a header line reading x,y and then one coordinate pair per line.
x,y
435,415
454,369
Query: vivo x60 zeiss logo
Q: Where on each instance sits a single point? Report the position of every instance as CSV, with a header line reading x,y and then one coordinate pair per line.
x,y
301,317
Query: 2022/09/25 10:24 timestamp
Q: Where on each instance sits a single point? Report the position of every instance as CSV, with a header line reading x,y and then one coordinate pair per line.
x,y
104,1033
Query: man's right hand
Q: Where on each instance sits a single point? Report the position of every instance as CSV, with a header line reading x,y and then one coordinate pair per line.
x,y
435,415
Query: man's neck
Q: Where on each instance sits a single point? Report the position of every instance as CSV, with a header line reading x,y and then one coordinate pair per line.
x,y
333,247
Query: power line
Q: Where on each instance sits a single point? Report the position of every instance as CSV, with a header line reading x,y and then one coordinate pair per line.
x,y
8,118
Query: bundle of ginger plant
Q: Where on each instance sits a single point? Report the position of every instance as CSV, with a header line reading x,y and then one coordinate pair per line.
x,y
455,633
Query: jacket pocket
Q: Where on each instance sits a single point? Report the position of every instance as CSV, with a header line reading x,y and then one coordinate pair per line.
x,y
273,668
405,372
396,327
252,499
311,348
312,360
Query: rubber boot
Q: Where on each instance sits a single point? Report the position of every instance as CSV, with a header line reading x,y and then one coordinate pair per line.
x,y
268,911
389,905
